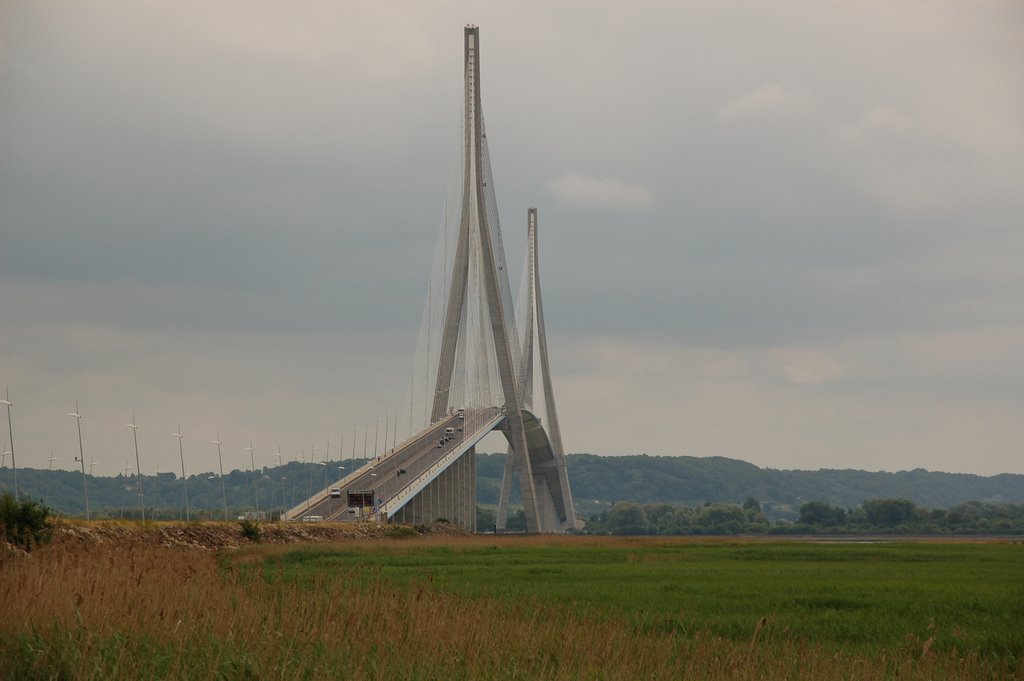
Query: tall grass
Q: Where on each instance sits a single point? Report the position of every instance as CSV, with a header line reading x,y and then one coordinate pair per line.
x,y
151,612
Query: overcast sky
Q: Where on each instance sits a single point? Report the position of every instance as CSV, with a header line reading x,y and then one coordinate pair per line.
x,y
785,232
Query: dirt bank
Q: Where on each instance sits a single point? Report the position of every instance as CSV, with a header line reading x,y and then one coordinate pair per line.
x,y
219,535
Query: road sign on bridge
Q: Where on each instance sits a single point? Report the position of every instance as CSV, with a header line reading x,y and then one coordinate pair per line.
x,y
360,498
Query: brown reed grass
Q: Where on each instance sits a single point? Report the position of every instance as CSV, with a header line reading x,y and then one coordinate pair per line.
x,y
142,611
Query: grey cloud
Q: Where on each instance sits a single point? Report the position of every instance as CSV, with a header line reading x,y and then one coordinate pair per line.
x,y
234,186
591,191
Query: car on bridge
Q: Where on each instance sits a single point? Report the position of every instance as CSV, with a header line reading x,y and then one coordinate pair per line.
x,y
335,492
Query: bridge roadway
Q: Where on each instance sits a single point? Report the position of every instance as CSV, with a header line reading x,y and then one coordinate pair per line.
x,y
387,476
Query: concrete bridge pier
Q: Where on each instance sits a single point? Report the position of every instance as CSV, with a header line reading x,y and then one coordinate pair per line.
x,y
451,495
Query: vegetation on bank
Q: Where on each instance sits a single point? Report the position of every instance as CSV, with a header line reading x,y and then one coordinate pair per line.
x,y
25,523
516,608
874,516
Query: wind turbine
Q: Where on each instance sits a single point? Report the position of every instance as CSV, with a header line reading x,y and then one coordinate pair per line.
x,y
10,431
309,483
220,462
81,458
283,503
183,480
124,497
312,459
295,478
255,493
49,470
138,468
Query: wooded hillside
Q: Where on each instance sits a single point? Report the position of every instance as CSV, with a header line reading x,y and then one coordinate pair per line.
x,y
596,482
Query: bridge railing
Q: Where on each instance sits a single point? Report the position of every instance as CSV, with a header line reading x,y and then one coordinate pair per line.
x,y
476,420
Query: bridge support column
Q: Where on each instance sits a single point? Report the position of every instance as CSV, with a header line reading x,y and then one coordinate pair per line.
x,y
469,486
451,495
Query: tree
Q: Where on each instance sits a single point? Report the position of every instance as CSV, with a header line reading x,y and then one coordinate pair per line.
x,y
485,519
24,523
628,519
822,514
889,512
516,521
720,519
682,520
660,518
752,504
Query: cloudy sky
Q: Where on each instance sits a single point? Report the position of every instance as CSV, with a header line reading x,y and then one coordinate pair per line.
x,y
786,232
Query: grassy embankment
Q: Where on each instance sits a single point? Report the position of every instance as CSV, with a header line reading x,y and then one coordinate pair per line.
x,y
517,608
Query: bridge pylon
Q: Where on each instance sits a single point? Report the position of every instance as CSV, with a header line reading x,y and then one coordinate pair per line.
x,y
547,456
470,374
479,245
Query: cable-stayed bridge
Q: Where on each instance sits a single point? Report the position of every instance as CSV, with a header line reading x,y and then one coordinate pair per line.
x,y
481,365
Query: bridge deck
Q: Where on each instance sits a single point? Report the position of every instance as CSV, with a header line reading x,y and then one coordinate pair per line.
x,y
396,477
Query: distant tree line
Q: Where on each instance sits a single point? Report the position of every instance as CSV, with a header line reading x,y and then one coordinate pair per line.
x,y
651,481
692,481
276,488
874,516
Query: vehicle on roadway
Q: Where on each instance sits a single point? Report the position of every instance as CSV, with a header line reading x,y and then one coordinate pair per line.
x,y
335,492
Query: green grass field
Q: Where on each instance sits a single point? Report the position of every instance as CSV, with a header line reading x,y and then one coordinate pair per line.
x,y
968,597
